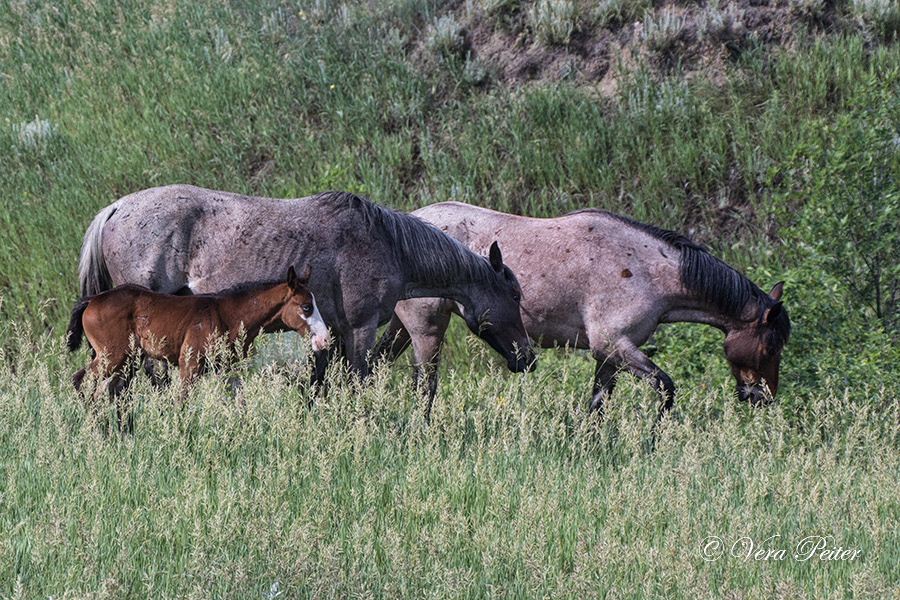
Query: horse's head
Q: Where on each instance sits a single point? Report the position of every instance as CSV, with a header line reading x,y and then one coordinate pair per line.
x,y
300,312
494,315
754,351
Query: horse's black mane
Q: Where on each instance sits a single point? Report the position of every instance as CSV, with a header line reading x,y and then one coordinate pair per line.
x,y
713,280
433,256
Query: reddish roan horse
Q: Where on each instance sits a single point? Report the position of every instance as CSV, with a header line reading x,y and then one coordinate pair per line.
x,y
182,329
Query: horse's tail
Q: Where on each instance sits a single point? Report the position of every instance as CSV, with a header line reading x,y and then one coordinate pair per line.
x,y
75,331
93,275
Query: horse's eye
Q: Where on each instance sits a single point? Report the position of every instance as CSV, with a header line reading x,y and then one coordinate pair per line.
x,y
307,308
517,297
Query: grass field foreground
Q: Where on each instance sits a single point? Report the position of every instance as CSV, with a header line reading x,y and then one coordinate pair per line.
x,y
512,490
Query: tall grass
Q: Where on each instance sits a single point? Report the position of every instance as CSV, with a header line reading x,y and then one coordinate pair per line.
x,y
512,490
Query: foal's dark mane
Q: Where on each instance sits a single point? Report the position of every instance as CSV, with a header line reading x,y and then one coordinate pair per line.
x,y
716,282
432,256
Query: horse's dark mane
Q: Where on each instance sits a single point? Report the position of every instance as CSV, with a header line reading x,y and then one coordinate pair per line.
x,y
432,256
714,281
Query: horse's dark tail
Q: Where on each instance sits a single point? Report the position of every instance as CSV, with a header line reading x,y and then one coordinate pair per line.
x,y
76,329
93,276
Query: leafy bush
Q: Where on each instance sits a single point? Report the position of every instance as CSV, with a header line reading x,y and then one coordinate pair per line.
x,y
609,12
848,225
845,239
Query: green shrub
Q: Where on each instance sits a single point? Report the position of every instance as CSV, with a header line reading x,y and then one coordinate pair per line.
x,y
660,32
847,225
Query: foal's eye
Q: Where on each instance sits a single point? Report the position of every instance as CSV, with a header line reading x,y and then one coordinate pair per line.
x,y
307,308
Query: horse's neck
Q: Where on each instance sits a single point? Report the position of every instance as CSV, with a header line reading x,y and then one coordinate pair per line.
x,y
690,309
254,309
456,291
446,280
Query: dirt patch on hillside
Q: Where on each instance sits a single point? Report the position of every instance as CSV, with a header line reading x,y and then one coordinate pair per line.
x,y
695,38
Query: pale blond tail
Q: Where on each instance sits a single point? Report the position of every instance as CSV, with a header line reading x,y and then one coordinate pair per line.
x,y
93,276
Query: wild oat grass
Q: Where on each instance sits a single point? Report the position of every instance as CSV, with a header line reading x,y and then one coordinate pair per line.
x,y
512,489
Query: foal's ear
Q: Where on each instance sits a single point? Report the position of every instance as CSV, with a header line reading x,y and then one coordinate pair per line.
x,y
776,292
495,257
773,313
293,281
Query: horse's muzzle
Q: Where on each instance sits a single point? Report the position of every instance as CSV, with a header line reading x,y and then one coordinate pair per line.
x,y
522,361
756,395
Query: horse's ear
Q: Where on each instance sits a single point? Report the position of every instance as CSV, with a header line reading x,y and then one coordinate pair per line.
x,y
776,292
773,313
304,279
495,257
292,277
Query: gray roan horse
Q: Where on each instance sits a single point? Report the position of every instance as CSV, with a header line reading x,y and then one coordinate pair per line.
x,y
182,239
598,281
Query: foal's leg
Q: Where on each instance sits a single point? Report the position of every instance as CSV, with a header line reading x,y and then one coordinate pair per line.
x,y
321,360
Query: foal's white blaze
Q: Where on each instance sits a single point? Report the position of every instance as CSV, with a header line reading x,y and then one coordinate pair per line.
x,y
318,332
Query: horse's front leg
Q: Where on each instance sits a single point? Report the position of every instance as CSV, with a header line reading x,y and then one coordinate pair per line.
x,y
359,345
191,364
604,382
393,342
636,362
425,321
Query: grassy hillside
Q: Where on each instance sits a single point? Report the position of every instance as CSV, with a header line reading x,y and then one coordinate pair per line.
x,y
766,130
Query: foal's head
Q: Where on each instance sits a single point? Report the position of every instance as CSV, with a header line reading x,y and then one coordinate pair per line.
x,y
495,315
754,351
300,312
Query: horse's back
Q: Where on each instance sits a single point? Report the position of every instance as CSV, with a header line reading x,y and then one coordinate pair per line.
x,y
581,274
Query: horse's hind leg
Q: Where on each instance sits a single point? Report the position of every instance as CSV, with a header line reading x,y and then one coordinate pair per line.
x,y
393,342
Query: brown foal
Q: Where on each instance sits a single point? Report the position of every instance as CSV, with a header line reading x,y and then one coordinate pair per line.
x,y
182,329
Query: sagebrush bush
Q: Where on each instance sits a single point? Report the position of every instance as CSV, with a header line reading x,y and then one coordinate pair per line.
x,y
444,38
552,21
880,18
610,12
660,32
